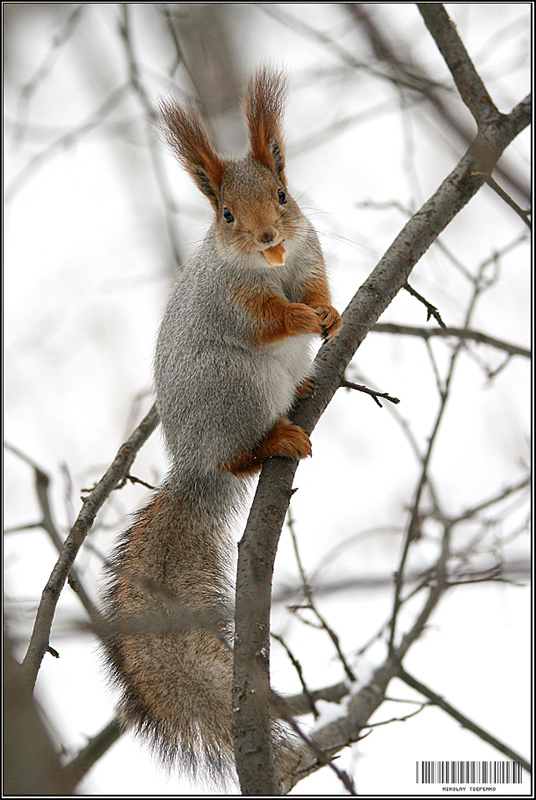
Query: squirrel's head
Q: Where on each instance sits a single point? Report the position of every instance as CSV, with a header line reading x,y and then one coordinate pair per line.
x,y
254,211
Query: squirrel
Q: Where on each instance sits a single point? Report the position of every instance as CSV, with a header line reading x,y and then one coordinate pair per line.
x,y
233,354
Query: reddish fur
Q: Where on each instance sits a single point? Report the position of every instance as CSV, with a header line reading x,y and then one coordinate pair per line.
x,y
276,318
284,439
331,321
316,295
305,388
316,291
187,136
177,684
264,109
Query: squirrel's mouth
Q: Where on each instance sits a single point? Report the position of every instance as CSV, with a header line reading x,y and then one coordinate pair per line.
x,y
275,255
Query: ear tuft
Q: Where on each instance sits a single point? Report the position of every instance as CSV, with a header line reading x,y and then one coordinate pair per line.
x,y
264,111
188,139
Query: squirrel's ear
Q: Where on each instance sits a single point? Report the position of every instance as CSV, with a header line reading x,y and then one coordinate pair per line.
x,y
264,110
186,135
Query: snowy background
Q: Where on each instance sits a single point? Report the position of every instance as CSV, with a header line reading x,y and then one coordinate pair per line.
x,y
96,216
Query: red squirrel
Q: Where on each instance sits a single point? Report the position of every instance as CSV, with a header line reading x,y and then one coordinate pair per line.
x,y
233,355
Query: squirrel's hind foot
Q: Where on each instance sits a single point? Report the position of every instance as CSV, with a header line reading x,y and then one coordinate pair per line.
x,y
284,439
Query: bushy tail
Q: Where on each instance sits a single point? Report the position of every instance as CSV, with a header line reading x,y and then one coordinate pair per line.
x,y
167,607
169,628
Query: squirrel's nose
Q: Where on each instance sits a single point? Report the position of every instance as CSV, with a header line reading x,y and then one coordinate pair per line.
x,y
266,236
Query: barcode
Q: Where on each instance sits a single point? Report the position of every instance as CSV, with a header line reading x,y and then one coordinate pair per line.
x,y
469,772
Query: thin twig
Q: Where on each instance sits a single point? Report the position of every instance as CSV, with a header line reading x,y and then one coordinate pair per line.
x,y
502,495
299,670
308,592
407,716
372,392
525,215
431,310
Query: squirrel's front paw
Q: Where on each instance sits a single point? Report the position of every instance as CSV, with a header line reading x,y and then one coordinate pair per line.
x,y
303,319
330,320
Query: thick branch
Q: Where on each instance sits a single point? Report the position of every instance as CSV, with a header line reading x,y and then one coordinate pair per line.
x,y
468,82
273,492
251,722
406,73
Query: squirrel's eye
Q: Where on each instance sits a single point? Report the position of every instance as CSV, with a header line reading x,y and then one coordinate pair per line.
x,y
282,196
228,217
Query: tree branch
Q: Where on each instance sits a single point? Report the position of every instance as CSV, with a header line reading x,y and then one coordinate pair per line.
x,y
462,333
47,522
524,215
117,471
464,721
372,392
363,703
79,766
468,82
261,536
431,310
405,73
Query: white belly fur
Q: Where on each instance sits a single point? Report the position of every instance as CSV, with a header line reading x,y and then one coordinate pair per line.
x,y
283,366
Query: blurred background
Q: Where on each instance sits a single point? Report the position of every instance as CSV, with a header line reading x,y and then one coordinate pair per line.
x,y
98,218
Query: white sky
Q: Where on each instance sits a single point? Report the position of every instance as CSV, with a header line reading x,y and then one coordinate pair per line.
x,y
87,270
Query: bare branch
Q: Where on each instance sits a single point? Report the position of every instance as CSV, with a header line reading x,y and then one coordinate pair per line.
x,y
259,543
432,311
79,766
47,522
113,476
524,215
524,483
440,702
300,704
307,591
461,333
299,671
372,392
468,82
